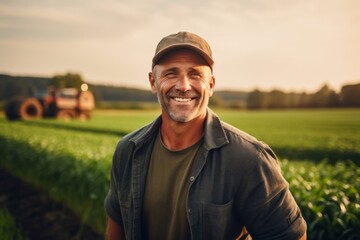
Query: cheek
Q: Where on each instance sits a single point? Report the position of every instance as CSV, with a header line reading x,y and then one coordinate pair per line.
x,y
202,87
163,86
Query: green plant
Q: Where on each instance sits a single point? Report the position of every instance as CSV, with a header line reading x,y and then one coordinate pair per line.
x,y
9,230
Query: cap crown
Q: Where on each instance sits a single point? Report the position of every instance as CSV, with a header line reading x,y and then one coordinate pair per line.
x,y
183,40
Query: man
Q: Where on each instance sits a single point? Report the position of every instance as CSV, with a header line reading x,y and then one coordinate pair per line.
x,y
189,175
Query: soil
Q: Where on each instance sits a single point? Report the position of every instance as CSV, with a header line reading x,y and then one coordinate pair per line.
x,y
39,216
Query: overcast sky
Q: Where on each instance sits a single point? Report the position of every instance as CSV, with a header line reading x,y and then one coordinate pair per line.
x,y
266,44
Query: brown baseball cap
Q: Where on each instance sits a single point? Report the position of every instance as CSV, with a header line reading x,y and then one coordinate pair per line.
x,y
183,40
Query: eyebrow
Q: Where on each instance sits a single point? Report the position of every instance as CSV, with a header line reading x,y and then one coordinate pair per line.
x,y
171,69
177,69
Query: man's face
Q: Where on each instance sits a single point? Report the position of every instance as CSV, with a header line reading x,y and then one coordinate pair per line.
x,y
183,83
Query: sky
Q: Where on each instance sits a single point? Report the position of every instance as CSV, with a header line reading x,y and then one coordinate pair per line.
x,y
264,44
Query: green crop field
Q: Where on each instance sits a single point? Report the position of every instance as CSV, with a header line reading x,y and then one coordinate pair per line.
x,y
318,150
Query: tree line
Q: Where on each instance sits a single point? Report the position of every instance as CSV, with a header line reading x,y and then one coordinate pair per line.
x,y
325,97
11,86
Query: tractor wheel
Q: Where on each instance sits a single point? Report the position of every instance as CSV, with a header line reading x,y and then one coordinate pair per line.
x,y
30,108
65,115
84,116
11,110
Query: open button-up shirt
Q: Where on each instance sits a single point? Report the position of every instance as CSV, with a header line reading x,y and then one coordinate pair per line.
x,y
235,182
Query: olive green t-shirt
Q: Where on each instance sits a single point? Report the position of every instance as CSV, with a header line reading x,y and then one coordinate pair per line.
x,y
167,182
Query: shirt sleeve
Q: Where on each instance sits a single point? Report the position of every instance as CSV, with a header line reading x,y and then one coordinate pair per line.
x,y
270,211
111,203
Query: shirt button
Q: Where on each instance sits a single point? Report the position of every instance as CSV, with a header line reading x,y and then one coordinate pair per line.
x,y
192,178
190,211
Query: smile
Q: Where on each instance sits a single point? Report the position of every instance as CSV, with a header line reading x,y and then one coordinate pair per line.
x,y
178,99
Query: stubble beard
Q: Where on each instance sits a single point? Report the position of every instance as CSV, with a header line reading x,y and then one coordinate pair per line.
x,y
181,116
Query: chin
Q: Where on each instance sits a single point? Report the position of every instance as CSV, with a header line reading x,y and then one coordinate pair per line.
x,y
183,118
180,119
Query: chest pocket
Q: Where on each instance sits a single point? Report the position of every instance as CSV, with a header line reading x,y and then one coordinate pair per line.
x,y
216,221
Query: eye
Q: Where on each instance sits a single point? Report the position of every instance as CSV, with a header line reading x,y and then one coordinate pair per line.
x,y
170,74
195,75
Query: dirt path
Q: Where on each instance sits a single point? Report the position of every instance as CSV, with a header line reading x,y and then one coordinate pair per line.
x,y
40,217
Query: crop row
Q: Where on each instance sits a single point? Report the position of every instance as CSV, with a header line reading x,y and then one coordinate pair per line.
x,y
328,196
72,168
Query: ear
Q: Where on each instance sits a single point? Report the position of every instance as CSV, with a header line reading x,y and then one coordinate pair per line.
x,y
211,85
152,82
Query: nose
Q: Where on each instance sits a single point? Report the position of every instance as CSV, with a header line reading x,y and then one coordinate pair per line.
x,y
183,83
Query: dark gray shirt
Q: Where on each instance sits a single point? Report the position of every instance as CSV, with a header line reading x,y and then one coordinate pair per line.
x,y
235,182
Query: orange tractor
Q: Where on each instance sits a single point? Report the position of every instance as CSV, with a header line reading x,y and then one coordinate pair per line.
x,y
65,104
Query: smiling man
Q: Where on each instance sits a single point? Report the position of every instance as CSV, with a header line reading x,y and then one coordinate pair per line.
x,y
188,175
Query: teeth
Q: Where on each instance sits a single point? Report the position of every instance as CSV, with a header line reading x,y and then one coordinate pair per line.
x,y
182,99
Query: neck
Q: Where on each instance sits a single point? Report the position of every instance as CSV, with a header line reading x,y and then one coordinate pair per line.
x,y
177,135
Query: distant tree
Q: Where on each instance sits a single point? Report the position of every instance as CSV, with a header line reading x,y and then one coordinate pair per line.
x,y
293,100
257,100
334,99
69,80
276,99
350,95
323,98
304,100
11,86
112,93
216,101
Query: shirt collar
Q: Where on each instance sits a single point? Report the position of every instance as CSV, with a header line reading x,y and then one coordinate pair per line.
x,y
214,132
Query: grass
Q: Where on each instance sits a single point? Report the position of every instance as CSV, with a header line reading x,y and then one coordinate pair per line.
x,y
316,135
318,150
9,230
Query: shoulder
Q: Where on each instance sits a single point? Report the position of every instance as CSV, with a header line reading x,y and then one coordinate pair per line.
x,y
234,145
125,142
134,141
236,135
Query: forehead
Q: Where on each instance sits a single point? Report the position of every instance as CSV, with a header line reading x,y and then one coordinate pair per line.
x,y
182,57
